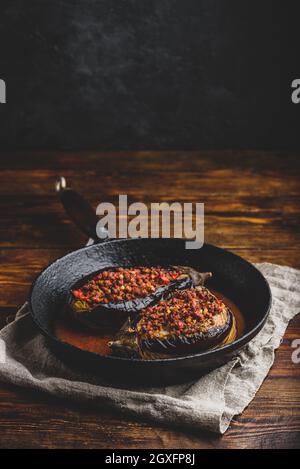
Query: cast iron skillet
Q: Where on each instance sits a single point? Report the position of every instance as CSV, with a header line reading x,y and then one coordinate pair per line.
x,y
232,275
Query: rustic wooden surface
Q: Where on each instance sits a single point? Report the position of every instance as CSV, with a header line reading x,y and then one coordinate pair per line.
x,y
251,207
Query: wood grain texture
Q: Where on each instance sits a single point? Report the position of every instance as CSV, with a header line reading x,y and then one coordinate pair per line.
x,y
251,207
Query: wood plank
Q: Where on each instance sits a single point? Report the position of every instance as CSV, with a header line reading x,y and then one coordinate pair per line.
x,y
41,222
29,419
143,161
21,266
252,207
248,195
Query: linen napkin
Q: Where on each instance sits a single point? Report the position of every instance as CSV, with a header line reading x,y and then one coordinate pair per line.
x,y
209,402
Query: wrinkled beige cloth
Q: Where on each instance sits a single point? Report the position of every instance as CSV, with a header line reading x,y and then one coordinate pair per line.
x,y
208,403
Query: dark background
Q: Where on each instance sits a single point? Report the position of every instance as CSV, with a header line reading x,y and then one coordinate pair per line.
x,y
134,74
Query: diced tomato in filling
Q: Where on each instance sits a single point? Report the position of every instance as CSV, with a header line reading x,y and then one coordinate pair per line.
x,y
124,284
183,313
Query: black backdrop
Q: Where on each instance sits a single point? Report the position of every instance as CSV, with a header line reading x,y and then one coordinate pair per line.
x,y
142,74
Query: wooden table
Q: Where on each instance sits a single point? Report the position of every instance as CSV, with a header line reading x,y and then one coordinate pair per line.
x,y
251,207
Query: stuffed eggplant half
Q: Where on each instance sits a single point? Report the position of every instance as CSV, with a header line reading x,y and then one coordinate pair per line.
x,y
188,321
109,297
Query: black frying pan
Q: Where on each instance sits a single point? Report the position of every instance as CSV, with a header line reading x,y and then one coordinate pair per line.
x,y
233,276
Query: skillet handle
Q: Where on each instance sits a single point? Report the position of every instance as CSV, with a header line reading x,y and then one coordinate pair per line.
x,y
78,209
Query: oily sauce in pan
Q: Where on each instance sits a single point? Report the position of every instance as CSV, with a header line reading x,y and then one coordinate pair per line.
x,y
72,333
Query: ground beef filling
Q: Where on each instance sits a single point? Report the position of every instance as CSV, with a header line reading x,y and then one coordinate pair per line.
x,y
124,284
185,313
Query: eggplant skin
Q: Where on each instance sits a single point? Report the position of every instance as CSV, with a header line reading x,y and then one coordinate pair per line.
x,y
112,316
198,342
198,278
211,332
127,343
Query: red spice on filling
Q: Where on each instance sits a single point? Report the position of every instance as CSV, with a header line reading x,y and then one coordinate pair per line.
x,y
183,313
124,284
